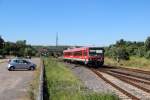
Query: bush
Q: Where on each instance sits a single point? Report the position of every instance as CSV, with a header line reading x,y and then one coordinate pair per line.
x,y
147,55
117,53
122,54
147,44
140,52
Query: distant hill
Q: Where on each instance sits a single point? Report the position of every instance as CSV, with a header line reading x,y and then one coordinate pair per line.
x,y
54,48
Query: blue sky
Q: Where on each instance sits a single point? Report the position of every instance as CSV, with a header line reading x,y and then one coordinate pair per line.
x,y
78,22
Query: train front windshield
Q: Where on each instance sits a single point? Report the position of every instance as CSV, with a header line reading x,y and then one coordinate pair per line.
x,y
95,51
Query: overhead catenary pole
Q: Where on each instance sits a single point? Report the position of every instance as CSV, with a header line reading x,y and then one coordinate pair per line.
x,y
56,51
56,39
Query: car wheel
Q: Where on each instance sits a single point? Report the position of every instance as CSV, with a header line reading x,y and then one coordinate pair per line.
x,y
11,68
32,68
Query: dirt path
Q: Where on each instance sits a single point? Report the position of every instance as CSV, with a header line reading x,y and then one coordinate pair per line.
x,y
14,84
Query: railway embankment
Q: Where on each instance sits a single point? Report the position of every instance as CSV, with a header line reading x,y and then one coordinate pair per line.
x,y
134,63
62,83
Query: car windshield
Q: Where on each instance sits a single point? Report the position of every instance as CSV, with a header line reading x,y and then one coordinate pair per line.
x,y
95,51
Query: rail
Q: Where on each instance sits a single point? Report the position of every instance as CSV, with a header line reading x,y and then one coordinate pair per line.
x,y
129,80
115,86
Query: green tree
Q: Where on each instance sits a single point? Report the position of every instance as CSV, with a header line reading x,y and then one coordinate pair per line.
x,y
20,47
140,51
147,44
21,42
29,51
1,42
121,53
120,43
147,55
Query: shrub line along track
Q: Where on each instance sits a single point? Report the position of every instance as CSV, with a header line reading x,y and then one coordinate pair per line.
x,y
115,86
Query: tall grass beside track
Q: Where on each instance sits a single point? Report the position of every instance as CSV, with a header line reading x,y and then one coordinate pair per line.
x,y
134,62
63,85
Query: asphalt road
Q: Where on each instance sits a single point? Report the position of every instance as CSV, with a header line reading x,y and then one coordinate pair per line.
x,y
14,85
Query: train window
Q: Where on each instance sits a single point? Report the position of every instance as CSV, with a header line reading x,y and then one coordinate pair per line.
x,y
78,53
95,52
84,53
65,54
99,51
68,54
75,53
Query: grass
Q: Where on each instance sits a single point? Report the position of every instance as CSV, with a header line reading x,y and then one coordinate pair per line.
x,y
134,62
34,85
2,60
63,85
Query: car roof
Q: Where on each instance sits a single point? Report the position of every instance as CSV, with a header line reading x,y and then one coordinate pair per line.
x,y
12,60
18,58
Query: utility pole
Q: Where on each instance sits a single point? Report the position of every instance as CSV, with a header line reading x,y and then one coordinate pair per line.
x,y
56,39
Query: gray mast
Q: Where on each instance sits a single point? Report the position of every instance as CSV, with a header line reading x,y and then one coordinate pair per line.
x,y
56,39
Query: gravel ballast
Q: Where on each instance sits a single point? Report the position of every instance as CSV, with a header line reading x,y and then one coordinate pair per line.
x,y
93,82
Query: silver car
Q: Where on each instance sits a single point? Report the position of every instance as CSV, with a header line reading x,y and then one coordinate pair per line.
x,y
21,64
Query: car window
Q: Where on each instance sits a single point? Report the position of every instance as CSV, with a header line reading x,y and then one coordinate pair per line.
x,y
24,61
20,61
16,61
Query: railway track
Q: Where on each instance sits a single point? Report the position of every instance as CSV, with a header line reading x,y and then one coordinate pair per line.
x,y
139,85
128,69
142,83
114,85
137,70
132,74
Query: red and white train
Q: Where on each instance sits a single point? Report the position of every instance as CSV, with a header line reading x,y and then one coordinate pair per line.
x,y
87,55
